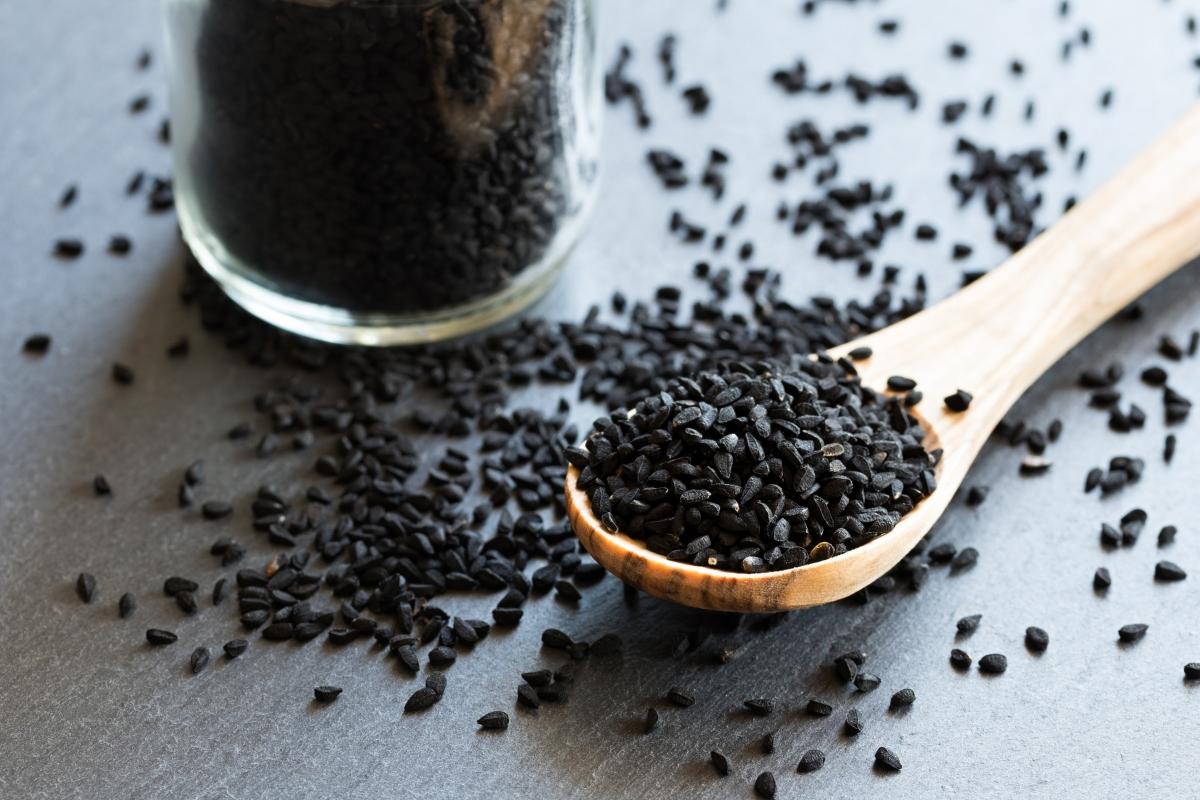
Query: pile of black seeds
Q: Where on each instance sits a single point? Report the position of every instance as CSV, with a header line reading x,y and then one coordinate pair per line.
x,y
757,466
417,152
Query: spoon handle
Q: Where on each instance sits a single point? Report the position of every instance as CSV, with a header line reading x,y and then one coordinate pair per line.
x,y
995,337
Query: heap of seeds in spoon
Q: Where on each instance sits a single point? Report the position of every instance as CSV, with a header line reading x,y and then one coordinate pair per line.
x,y
754,467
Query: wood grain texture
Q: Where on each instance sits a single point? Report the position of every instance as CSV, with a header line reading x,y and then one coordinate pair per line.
x,y
993,339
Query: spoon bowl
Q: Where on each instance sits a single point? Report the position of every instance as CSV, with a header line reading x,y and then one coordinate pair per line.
x,y
993,338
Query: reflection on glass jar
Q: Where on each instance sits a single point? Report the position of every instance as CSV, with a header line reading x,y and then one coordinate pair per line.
x,y
383,171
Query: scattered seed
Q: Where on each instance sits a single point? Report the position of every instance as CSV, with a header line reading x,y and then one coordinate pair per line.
x,y
993,664
157,636
1132,632
811,761
887,760
719,762
903,699
764,785
199,660
493,721
126,605
1168,571
959,659
327,694
1036,639
85,587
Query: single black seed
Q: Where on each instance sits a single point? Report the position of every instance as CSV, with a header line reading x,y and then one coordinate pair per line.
x,y
811,761
119,244
903,699
764,785
186,602
528,696
767,744
122,374
327,694
68,249
859,353
493,721
235,647
969,624
85,587
1166,536
759,707
866,682
959,401
421,699
215,509
199,660
965,559
1191,671
174,585
819,708
1036,639
680,697
976,495
36,345
993,664
194,474
1168,571
126,605
1102,579
959,659
157,636
887,760
853,725
100,486
1132,632
719,762
650,721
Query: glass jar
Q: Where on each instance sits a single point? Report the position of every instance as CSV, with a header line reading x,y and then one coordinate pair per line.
x,y
383,171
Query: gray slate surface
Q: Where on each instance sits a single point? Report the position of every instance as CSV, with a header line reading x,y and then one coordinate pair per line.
x,y
86,710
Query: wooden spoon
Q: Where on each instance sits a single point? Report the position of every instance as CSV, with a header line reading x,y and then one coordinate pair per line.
x,y
993,338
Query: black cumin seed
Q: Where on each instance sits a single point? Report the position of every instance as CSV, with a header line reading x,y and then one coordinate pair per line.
x,y
969,624
174,585
101,486
186,602
767,744
853,725
119,245
85,587
1035,465
199,660
1168,571
959,659
235,647
1132,632
719,762
819,708
1102,579
493,721
421,699
68,196
1191,671
764,785
976,495
126,605
37,344
759,707
680,697
942,553
215,509
811,761
887,760
1166,536
68,248
902,699
1036,639
965,559
866,682
122,374
899,383
959,401
993,664
1169,448
326,694
157,636
528,696
650,721
859,353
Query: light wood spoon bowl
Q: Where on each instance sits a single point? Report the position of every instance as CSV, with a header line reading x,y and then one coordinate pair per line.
x,y
993,338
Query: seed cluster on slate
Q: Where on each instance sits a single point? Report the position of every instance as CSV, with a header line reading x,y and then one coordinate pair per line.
x,y
755,467
434,170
